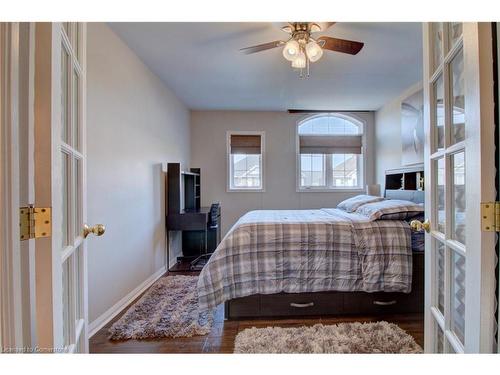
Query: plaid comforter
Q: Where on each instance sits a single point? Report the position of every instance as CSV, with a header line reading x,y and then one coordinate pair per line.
x,y
297,251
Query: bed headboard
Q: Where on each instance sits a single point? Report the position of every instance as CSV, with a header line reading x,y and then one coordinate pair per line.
x,y
407,195
405,183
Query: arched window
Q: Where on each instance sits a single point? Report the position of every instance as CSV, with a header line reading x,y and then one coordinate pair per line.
x,y
330,151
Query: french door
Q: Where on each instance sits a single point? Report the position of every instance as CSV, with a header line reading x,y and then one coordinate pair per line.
x,y
72,167
44,262
459,158
60,183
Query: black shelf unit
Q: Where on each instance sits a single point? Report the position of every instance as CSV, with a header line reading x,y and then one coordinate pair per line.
x,y
409,178
199,226
401,181
192,184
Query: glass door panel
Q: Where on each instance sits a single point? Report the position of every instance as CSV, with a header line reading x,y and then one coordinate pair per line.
x,y
68,312
77,45
75,109
77,201
454,33
457,320
458,98
438,111
439,339
437,44
458,198
446,100
440,275
65,172
440,194
73,184
64,95
78,265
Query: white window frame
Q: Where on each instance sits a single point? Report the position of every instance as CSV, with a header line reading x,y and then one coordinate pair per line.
x,y
328,162
262,135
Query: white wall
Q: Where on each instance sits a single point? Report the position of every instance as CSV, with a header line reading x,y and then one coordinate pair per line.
x,y
134,123
208,151
388,135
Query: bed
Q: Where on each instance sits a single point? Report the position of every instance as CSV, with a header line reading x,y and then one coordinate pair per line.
x,y
331,261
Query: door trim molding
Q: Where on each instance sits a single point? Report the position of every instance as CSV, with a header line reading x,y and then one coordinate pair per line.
x,y
10,287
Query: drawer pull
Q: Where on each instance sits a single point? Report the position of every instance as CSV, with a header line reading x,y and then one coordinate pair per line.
x,y
385,303
302,305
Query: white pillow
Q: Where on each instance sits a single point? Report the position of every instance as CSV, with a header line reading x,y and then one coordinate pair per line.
x,y
390,209
352,204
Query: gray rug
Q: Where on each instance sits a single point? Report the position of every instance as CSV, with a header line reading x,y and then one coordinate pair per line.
x,y
380,337
168,309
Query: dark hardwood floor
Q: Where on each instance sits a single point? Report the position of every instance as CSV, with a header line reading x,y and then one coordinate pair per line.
x,y
221,338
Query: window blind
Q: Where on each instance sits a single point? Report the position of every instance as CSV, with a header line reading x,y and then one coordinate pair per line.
x,y
330,144
245,144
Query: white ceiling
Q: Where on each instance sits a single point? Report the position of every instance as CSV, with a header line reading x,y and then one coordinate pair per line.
x,y
202,64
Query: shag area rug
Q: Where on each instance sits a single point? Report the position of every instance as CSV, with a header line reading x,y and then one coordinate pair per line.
x,y
168,309
380,337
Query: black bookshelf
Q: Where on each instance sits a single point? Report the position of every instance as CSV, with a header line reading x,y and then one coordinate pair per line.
x,y
409,178
401,183
200,226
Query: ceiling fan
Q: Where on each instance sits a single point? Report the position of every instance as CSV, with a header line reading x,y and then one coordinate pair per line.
x,y
301,48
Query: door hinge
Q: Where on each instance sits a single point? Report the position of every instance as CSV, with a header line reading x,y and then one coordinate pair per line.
x,y
35,222
490,216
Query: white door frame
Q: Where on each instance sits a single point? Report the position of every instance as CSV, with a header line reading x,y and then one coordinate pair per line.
x,y
479,109
26,173
479,164
11,307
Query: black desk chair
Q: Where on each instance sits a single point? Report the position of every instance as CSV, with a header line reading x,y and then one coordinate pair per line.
x,y
212,227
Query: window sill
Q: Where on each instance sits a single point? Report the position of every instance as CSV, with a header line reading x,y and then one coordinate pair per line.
x,y
228,190
324,190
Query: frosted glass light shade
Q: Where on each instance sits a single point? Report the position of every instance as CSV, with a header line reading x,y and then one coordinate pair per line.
x,y
314,51
300,61
291,50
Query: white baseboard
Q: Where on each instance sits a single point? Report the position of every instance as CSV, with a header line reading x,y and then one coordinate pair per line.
x,y
104,319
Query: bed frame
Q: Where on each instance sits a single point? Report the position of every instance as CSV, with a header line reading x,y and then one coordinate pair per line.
x,y
337,303
332,303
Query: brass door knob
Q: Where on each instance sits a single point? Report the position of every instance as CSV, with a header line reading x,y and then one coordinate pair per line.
x,y
417,225
97,230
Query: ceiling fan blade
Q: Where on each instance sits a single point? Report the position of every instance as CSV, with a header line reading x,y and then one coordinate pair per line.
x,y
340,45
326,25
288,28
262,47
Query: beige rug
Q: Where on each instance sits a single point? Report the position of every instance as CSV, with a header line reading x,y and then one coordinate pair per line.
x,y
168,309
380,337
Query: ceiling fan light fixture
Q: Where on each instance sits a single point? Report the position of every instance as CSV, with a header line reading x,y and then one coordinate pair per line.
x,y
313,51
291,50
315,28
302,48
300,61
